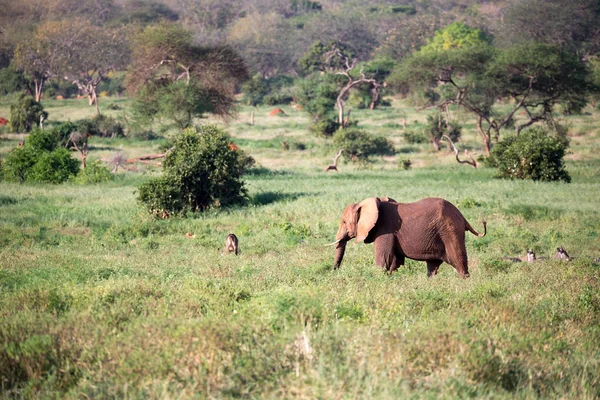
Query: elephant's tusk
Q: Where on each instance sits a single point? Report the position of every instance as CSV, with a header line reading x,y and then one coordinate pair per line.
x,y
331,244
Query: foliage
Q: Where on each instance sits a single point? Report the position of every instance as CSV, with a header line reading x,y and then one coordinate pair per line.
x,y
534,154
25,114
93,173
100,125
359,145
11,81
323,57
438,126
62,132
457,35
200,171
414,137
255,90
55,166
318,95
39,160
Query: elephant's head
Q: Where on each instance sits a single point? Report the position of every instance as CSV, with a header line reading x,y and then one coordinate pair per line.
x,y
357,221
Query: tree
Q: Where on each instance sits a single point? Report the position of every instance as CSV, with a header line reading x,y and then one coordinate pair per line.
x,y
26,114
465,70
34,57
570,26
165,60
337,59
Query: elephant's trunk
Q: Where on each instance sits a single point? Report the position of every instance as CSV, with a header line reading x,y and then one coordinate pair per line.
x,y
340,248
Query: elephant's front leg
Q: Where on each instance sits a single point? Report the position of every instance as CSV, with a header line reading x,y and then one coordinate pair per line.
x,y
385,254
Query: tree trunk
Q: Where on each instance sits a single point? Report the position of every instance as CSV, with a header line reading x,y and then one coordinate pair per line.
x,y
436,143
340,104
486,137
39,85
375,95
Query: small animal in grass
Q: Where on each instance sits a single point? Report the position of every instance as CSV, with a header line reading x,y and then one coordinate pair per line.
x,y
232,244
561,254
529,257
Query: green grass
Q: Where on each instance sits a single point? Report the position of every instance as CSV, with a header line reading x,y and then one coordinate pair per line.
x,y
99,300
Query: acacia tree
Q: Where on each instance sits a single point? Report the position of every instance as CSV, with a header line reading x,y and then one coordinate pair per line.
x,y
335,58
165,60
75,50
465,70
36,60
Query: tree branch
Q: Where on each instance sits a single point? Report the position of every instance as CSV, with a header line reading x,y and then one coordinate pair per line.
x,y
471,162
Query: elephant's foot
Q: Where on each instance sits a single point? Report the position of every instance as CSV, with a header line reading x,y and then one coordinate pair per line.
x,y
432,267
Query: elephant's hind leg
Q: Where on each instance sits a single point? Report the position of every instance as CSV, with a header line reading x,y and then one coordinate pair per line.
x,y
432,267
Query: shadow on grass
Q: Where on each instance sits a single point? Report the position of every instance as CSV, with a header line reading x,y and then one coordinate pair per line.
x,y
264,198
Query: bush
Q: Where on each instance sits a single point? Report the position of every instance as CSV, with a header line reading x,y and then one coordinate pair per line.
x,y
95,172
200,171
53,167
101,125
534,154
11,81
325,126
39,160
436,127
255,90
62,133
25,114
414,137
358,145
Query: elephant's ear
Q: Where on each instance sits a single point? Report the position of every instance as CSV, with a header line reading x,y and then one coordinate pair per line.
x,y
368,210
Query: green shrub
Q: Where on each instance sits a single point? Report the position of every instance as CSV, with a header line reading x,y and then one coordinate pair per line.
x,y
53,167
534,154
255,90
200,171
25,114
62,133
325,126
95,172
359,145
11,81
414,137
278,97
437,126
101,125
40,160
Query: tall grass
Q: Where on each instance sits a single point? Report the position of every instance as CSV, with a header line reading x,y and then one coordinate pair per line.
x,y
97,299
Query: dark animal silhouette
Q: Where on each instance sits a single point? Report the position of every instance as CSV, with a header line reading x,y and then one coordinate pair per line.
x,y
232,244
430,230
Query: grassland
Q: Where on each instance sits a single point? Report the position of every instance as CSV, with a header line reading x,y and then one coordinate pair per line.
x,y
99,300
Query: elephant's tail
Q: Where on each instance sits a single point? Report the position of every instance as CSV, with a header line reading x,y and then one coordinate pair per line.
x,y
474,232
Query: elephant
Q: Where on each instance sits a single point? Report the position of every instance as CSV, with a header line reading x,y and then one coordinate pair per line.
x,y
430,230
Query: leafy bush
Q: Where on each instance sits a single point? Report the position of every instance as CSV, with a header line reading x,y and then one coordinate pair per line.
x,y
534,154
325,126
200,171
53,167
62,132
11,81
255,90
414,137
95,172
25,114
359,145
437,126
279,97
39,160
101,125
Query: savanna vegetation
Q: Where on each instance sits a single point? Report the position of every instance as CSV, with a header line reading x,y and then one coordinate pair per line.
x,y
140,133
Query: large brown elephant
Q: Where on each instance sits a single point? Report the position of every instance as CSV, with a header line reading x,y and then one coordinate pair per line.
x,y
431,230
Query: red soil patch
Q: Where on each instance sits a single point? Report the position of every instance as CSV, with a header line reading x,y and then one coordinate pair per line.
x,y
277,111
3,121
